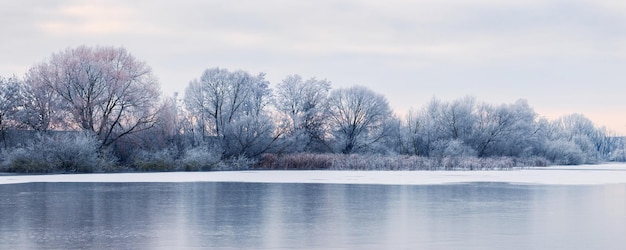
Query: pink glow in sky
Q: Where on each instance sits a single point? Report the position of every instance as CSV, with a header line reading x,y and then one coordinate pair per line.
x,y
562,56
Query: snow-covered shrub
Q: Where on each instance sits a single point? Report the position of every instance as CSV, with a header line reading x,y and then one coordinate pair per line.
x,y
449,163
77,152
618,155
476,163
162,160
200,158
60,152
23,160
466,163
451,148
240,162
498,163
532,161
458,148
586,146
563,152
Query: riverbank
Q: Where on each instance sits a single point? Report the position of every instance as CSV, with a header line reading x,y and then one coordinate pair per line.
x,y
556,175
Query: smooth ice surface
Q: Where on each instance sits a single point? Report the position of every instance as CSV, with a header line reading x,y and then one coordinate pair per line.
x,y
558,175
226,215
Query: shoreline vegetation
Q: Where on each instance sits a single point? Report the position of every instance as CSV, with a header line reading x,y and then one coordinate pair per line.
x,y
99,109
305,161
301,161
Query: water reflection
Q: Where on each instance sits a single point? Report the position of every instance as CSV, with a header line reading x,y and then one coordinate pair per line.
x,y
269,216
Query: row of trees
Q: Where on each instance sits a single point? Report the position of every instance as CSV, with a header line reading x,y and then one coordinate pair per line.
x,y
115,98
306,116
102,90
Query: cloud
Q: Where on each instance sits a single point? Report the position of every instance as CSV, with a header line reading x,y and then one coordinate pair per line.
x,y
94,18
553,53
452,31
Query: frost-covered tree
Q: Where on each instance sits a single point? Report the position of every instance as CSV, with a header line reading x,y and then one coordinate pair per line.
x,y
10,104
164,135
231,107
445,122
197,107
105,89
574,139
43,109
504,130
455,120
303,104
411,136
480,129
359,119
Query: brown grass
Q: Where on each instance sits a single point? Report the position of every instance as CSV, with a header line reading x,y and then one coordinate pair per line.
x,y
307,161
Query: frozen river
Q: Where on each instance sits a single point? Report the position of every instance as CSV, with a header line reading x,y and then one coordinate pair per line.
x,y
50,213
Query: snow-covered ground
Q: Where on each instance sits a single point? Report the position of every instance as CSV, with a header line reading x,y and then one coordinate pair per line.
x,y
559,175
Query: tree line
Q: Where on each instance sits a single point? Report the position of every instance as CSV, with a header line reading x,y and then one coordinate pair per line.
x,y
101,109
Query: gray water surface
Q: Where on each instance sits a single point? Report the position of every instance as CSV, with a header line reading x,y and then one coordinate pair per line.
x,y
311,216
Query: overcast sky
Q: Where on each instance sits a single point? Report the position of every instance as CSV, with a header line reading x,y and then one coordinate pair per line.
x,y
562,56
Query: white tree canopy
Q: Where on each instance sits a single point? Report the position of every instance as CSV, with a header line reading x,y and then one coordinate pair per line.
x,y
303,104
10,101
105,89
358,118
231,106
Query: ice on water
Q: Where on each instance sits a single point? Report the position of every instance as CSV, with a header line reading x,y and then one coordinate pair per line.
x,y
557,175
